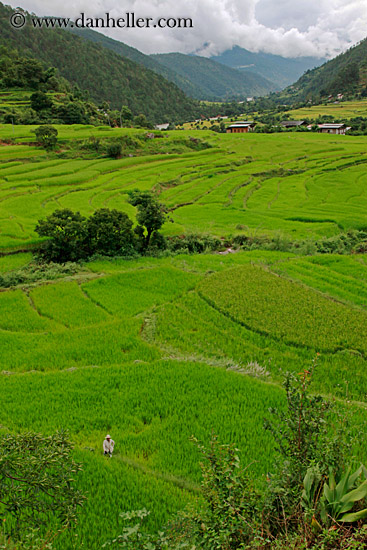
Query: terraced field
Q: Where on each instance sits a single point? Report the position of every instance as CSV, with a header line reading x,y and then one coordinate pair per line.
x,y
298,185
154,350
346,109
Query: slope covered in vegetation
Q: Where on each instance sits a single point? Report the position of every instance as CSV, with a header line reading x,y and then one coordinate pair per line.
x,y
345,74
216,81
105,74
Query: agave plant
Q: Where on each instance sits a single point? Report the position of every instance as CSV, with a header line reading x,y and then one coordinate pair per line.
x,y
339,498
332,500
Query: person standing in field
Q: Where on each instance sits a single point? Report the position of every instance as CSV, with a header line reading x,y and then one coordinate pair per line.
x,y
108,445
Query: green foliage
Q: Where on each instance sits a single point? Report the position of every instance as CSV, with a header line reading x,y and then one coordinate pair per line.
x,y
341,75
126,113
151,214
67,233
340,497
40,101
114,150
194,243
37,271
47,136
104,73
141,121
37,481
232,506
308,449
73,237
109,233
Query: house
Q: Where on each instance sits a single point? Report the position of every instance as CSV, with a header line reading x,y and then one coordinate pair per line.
x,y
293,123
332,129
240,127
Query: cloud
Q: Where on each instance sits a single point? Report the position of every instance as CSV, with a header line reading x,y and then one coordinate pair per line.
x,y
319,28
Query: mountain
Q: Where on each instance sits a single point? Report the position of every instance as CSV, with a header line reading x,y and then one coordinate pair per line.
x,y
280,70
345,74
198,77
214,80
105,74
138,57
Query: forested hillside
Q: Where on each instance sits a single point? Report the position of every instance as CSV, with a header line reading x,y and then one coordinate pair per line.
x,y
135,55
215,80
198,77
345,74
105,74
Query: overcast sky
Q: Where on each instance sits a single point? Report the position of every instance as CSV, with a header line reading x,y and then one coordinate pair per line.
x,y
320,28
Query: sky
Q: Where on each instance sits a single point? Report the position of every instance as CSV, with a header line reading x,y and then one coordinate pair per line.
x,y
291,28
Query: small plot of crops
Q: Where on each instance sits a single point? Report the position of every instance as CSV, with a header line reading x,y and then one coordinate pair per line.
x,y
17,314
343,277
15,261
130,293
286,311
66,304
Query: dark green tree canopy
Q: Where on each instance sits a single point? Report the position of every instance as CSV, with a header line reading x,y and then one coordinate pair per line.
x,y
40,101
67,234
47,136
109,232
151,213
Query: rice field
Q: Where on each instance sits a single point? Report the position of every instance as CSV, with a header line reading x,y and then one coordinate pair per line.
x,y
299,185
154,350
343,110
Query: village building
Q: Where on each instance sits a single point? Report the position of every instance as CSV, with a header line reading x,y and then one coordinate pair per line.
x,y
240,127
332,128
162,126
293,123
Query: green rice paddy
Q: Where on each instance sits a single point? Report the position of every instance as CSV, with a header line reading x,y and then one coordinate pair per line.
x,y
153,350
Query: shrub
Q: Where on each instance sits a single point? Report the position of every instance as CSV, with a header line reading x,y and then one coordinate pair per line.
x,y
46,136
114,150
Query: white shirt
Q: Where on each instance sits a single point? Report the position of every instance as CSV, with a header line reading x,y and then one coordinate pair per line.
x,y
108,445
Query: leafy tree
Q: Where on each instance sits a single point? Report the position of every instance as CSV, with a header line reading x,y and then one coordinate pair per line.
x,y
141,121
109,232
73,113
67,234
40,101
47,136
151,213
37,476
126,114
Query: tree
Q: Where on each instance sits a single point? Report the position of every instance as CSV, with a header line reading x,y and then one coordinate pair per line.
x,y
67,234
40,101
46,136
141,121
151,213
37,476
73,113
109,232
126,114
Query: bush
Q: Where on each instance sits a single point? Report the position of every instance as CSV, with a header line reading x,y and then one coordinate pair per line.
x,y
46,136
114,150
194,243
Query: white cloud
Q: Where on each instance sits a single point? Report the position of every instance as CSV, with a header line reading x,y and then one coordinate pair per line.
x,y
286,27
